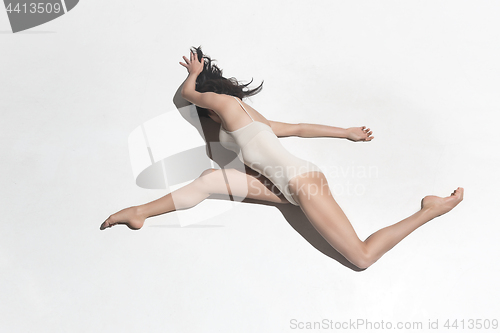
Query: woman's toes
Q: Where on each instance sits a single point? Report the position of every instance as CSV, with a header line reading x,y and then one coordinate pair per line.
x,y
128,216
105,224
109,222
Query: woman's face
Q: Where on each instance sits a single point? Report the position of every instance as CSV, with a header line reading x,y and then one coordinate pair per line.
x,y
214,116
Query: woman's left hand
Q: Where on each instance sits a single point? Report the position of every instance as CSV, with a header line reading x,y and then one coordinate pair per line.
x,y
193,65
359,134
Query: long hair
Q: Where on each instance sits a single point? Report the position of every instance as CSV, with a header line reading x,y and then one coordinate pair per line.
x,y
211,80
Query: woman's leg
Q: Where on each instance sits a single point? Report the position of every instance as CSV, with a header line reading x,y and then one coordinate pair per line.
x,y
312,192
211,181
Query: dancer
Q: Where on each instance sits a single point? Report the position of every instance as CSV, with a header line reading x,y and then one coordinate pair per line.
x,y
299,182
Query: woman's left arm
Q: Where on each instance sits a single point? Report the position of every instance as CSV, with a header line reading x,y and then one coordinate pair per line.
x,y
304,130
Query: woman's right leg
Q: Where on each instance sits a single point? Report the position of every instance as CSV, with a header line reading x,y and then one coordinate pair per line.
x,y
211,181
312,192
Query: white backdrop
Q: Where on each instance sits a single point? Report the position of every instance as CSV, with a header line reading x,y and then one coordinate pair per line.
x,y
424,75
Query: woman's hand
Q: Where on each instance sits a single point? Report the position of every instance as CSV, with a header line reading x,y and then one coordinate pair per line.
x,y
359,134
193,65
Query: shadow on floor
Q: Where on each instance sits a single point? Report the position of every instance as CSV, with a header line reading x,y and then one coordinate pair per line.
x,y
300,223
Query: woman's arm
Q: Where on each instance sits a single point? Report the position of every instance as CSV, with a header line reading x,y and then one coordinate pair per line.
x,y
315,130
207,100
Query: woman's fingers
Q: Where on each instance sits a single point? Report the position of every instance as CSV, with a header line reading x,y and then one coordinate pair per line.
x,y
190,63
194,56
367,132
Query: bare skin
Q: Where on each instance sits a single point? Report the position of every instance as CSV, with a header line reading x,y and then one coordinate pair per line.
x,y
310,190
211,181
319,207
318,204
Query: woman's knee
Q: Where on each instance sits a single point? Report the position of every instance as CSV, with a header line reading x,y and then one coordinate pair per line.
x,y
213,181
206,172
207,178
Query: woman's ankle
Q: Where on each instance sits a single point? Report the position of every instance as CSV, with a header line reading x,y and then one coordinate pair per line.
x,y
140,211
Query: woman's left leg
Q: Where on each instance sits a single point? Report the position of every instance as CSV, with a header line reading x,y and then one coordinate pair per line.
x,y
312,192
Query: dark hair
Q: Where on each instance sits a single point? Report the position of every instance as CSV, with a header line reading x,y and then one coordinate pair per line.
x,y
211,79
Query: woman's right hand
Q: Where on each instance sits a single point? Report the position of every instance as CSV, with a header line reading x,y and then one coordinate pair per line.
x,y
193,65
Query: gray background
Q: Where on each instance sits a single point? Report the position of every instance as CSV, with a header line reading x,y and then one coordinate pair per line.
x,y
424,75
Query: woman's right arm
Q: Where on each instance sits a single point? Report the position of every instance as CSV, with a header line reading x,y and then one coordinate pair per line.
x,y
207,100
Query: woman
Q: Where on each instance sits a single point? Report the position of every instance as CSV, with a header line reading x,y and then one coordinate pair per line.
x,y
299,182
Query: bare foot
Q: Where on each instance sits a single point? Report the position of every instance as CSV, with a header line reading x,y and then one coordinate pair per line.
x,y
440,206
128,216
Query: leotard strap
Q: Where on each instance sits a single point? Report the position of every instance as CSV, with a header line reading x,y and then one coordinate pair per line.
x,y
243,107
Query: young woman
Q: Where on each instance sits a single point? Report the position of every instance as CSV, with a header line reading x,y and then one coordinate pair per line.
x,y
299,182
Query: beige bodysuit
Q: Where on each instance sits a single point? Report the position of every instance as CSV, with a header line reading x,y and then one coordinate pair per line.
x,y
260,149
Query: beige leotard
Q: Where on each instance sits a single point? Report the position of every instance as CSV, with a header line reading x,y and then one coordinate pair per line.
x,y
260,149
